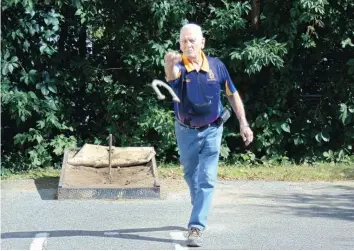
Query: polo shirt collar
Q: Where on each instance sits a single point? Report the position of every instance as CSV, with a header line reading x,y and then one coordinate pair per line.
x,y
190,67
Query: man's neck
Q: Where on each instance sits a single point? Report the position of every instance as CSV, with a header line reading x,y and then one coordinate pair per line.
x,y
197,62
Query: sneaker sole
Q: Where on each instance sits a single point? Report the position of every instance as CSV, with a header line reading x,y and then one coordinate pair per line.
x,y
193,244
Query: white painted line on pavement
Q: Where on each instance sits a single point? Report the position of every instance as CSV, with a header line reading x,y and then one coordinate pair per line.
x,y
39,241
178,236
111,233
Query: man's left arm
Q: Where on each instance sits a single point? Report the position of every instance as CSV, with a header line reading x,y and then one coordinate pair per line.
x,y
237,106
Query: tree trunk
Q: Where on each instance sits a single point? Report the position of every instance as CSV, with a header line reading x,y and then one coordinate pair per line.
x,y
255,14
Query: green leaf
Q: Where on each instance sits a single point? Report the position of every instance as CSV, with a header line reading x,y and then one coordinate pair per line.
x,y
40,124
26,45
32,95
39,138
344,114
346,42
19,139
285,127
44,90
7,55
259,121
224,151
108,79
49,50
42,48
351,108
318,137
11,68
32,72
325,136
52,88
78,12
5,68
343,107
278,128
52,105
298,141
14,59
76,4
24,77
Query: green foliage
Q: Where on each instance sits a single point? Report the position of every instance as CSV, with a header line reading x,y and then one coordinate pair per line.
x,y
74,71
260,53
158,125
226,19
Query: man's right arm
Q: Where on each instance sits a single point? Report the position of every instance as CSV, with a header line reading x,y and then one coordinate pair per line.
x,y
171,69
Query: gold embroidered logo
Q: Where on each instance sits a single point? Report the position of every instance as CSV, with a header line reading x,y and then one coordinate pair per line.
x,y
211,76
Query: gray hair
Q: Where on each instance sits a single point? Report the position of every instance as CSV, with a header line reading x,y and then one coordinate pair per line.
x,y
195,27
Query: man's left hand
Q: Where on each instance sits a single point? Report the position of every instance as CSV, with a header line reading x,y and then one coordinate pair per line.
x,y
246,134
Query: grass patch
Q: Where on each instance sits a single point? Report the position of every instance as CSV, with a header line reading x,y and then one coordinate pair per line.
x,y
322,172
34,174
319,172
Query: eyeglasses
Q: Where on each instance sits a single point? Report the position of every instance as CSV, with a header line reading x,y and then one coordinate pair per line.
x,y
191,40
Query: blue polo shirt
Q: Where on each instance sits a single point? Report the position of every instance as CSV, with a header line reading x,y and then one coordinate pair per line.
x,y
199,92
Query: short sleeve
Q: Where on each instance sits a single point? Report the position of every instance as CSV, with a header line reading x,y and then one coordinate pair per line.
x,y
227,84
173,83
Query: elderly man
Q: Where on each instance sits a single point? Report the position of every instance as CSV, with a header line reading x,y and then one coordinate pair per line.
x,y
198,80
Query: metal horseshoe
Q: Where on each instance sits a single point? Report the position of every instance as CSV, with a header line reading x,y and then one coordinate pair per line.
x,y
160,96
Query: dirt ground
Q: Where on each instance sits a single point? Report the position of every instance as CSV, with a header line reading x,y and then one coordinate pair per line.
x,y
127,177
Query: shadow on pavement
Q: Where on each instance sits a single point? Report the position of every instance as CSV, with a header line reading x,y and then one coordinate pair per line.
x,y
338,204
123,234
47,187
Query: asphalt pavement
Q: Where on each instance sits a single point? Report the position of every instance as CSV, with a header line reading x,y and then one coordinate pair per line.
x,y
245,215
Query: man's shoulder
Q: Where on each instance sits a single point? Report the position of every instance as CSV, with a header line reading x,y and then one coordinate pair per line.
x,y
215,61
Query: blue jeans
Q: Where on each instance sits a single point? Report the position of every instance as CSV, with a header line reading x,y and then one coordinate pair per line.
x,y
199,152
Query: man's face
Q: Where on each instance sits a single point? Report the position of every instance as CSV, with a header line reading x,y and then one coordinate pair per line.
x,y
191,43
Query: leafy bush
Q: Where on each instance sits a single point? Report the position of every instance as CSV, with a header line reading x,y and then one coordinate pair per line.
x,y
74,71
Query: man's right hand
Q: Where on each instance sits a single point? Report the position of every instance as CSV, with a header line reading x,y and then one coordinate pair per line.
x,y
171,59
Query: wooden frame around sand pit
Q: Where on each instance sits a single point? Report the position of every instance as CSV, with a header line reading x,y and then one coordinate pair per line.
x,y
101,192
